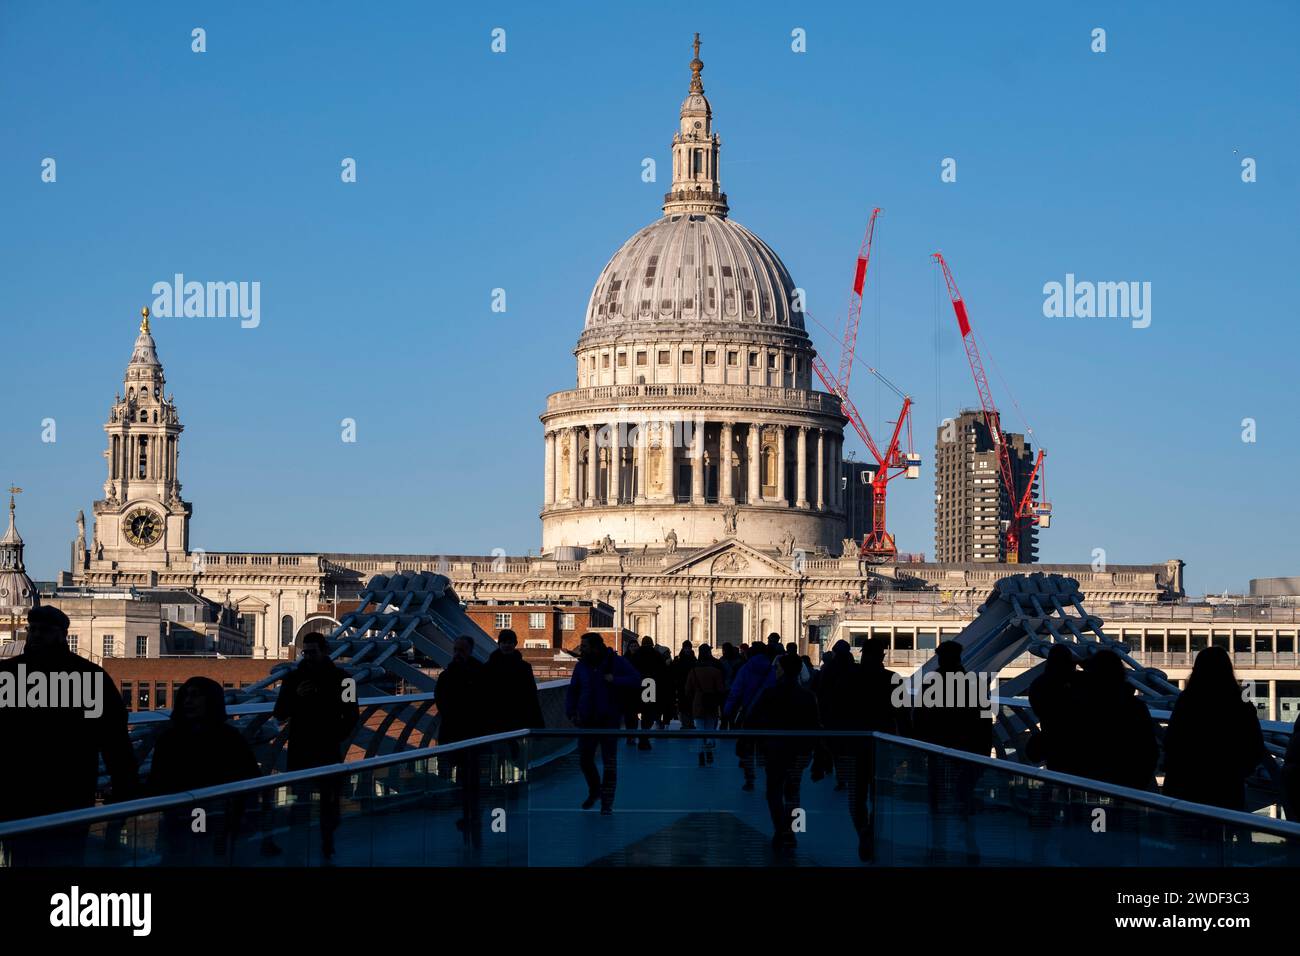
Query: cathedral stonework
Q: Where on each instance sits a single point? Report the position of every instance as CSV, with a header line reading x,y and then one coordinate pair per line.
x,y
691,479
694,409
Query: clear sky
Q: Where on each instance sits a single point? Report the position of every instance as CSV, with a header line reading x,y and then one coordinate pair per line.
x,y
522,170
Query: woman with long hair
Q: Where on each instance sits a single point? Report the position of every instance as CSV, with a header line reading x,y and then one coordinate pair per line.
x,y
1213,742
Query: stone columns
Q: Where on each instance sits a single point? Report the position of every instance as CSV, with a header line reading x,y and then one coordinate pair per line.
x,y
548,471
697,465
593,465
801,479
833,447
821,469
612,457
755,490
642,449
725,495
573,466
780,464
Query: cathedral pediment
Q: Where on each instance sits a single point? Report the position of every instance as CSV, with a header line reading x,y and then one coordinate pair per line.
x,y
731,559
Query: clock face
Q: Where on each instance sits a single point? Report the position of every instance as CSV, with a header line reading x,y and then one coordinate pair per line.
x,y
142,527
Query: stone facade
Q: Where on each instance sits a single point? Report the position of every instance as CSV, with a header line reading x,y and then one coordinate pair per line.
x,y
690,479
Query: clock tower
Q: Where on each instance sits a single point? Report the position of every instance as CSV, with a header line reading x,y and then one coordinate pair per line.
x,y
141,523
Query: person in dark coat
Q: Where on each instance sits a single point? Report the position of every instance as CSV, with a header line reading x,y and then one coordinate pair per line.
x,y
631,698
751,680
463,695
1051,696
681,669
705,694
877,711
49,755
839,699
511,688
593,701
319,702
1113,737
1213,742
954,718
200,749
785,706
948,713
1291,778
649,663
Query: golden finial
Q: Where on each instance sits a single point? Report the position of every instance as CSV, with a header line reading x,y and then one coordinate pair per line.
x,y
144,321
697,84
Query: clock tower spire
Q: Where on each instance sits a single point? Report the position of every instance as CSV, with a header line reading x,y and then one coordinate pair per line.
x,y
141,523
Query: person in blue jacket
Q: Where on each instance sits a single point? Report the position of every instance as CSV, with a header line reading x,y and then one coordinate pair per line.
x,y
751,680
595,697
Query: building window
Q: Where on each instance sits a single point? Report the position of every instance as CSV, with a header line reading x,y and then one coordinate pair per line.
x,y
72,643
286,630
502,621
142,697
773,360
108,645
141,646
622,360
688,357
127,699
567,622
160,695
710,357
733,358
536,622
642,358
604,360
144,457
663,356
753,360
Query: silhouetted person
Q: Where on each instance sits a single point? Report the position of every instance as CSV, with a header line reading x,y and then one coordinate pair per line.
x,y
681,670
875,710
774,648
1291,778
511,688
705,694
200,749
1213,742
464,694
49,755
649,664
593,702
1113,737
948,713
631,698
785,706
839,701
755,677
955,719
1051,696
319,702
730,662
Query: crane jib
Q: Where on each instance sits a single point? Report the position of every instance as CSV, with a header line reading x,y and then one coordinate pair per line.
x,y
860,277
959,306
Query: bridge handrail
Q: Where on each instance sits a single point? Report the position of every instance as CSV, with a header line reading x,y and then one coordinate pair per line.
x,y
186,798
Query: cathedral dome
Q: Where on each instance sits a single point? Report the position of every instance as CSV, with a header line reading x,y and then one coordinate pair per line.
x,y
694,268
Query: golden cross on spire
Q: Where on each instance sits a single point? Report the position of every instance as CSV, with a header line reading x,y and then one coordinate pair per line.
x,y
697,84
144,319
13,490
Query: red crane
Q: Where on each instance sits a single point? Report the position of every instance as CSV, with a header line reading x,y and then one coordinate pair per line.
x,y
1023,504
878,544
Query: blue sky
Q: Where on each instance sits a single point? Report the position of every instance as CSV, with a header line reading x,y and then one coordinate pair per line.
x,y
522,171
